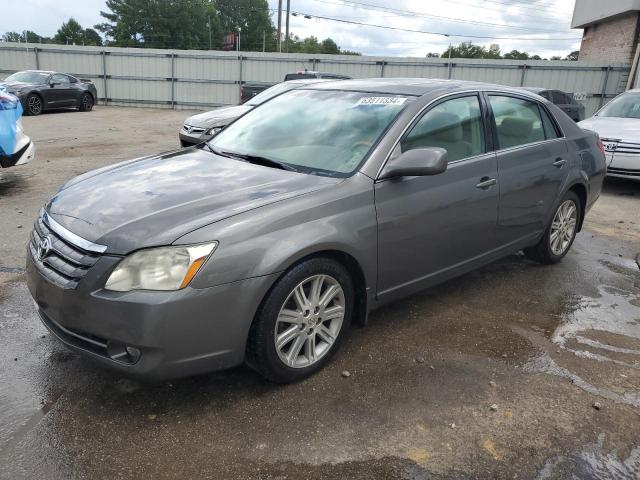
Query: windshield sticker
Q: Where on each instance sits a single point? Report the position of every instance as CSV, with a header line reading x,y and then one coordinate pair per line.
x,y
381,101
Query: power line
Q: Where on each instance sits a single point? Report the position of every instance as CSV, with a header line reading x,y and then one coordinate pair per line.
x,y
369,6
462,35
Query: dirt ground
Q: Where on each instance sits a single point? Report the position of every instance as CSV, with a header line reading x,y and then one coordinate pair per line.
x,y
514,371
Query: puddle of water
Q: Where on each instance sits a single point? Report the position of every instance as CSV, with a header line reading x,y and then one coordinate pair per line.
x,y
615,312
545,364
594,463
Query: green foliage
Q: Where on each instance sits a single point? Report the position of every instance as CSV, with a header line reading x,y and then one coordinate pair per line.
x,y
516,55
70,33
180,24
252,18
573,56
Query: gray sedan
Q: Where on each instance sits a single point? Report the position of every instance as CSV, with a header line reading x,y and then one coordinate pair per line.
x,y
265,243
202,126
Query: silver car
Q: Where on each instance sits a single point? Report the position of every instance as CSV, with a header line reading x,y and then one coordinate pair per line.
x,y
322,204
618,124
202,126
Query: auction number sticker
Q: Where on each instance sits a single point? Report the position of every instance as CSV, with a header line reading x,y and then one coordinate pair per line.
x,y
381,101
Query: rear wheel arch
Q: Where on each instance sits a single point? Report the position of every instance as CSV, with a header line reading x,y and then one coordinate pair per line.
x,y
581,191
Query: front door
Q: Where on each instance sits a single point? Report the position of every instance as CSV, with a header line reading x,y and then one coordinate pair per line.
x,y
431,225
532,164
60,92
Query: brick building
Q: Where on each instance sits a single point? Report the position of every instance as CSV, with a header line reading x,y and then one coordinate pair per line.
x,y
611,29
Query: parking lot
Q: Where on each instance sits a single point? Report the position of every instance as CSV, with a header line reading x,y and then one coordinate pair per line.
x,y
514,371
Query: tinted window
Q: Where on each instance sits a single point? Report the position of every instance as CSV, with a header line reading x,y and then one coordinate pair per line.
x,y
299,76
518,121
455,125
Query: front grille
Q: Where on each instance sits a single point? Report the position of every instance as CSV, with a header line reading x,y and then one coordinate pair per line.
x,y
65,264
623,171
79,339
191,130
628,148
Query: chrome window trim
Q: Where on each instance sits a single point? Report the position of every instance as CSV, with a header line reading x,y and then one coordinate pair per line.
x,y
71,237
410,123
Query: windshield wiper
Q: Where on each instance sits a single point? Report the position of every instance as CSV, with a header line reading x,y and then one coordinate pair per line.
x,y
258,160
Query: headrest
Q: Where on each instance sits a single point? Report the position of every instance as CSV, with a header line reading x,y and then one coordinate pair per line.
x,y
516,127
444,126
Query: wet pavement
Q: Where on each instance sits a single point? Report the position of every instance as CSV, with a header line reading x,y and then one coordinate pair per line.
x,y
514,371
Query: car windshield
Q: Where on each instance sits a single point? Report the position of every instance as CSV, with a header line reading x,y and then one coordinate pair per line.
x,y
625,106
28,77
314,131
272,92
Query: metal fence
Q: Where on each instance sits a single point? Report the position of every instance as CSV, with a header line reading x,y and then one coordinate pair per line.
x,y
198,79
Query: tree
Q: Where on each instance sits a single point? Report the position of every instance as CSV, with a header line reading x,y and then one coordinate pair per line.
x,y
184,24
493,52
91,37
432,55
573,56
70,33
516,55
329,46
465,50
253,19
556,57
12,37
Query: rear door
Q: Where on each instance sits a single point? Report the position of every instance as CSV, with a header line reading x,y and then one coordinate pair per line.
x,y
430,225
532,160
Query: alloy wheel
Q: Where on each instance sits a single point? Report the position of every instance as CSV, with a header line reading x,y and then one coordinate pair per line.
x,y
87,102
309,321
35,105
563,227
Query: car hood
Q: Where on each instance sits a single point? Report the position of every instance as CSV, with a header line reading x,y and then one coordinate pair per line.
x,y
217,118
627,129
155,200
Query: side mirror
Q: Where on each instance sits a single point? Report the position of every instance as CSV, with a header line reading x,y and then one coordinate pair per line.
x,y
53,84
419,162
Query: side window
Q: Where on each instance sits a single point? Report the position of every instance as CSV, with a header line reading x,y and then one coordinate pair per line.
x,y
546,94
455,125
71,79
550,129
518,121
59,78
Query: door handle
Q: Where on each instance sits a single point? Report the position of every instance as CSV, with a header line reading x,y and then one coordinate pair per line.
x,y
486,183
559,162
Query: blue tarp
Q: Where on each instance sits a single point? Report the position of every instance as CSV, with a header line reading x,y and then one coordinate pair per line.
x,y
10,113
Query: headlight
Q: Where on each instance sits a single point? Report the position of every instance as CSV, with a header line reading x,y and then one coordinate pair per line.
x,y
214,130
163,268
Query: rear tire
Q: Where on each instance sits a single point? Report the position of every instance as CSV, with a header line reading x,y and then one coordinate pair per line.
x,y
34,105
561,232
86,102
302,321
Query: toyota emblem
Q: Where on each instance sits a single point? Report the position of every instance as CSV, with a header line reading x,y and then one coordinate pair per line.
x,y
44,248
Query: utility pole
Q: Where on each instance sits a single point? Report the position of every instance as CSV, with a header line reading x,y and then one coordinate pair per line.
x,y
264,41
239,29
286,36
280,25
209,25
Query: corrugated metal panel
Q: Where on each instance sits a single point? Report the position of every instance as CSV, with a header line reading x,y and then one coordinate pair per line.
x,y
184,79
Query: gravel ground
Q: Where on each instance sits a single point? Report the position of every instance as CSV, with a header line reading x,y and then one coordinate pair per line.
x,y
514,371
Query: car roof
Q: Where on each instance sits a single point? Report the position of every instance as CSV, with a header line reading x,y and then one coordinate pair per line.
x,y
412,86
40,71
536,89
303,81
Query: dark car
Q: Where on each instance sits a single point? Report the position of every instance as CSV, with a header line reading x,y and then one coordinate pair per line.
x,y
250,90
564,101
263,244
40,90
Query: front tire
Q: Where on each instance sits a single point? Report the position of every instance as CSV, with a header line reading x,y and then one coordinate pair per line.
x,y
86,102
561,232
302,321
34,104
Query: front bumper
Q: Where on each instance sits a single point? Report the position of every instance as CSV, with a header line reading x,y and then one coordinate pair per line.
x,y
24,155
190,139
177,334
624,166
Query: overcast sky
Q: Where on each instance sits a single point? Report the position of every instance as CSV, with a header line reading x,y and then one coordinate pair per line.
x,y
517,20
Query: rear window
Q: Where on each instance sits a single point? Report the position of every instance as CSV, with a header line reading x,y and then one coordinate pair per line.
x,y
298,76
